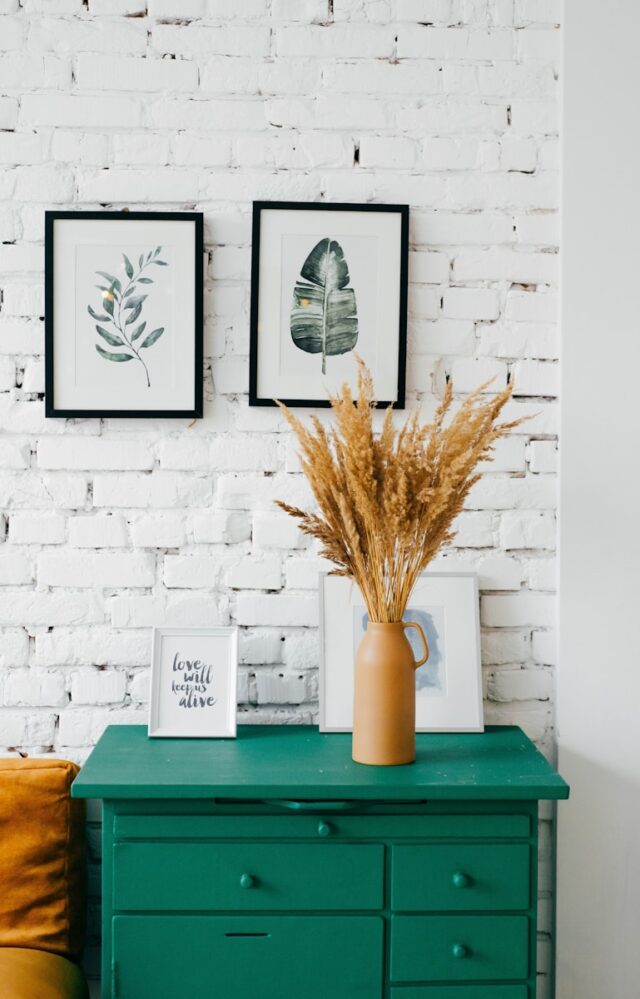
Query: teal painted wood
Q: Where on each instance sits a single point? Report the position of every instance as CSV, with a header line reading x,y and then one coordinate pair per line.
x,y
106,963
461,992
298,762
329,877
248,876
199,957
464,948
446,810
370,824
461,877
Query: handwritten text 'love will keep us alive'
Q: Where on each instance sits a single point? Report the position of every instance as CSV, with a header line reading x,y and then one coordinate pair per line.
x,y
193,683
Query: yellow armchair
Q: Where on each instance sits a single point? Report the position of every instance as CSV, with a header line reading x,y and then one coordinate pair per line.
x,y
42,881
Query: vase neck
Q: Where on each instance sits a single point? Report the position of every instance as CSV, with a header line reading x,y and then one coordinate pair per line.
x,y
384,624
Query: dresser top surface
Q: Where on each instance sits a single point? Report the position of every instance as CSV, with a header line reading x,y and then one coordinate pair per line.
x,y
298,761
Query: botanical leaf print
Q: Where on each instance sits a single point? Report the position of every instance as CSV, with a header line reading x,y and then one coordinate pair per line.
x,y
138,333
98,316
115,341
131,318
113,281
122,307
151,339
324,317
113,357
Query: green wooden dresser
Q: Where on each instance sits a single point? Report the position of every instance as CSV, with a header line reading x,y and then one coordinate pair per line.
x,y
272,866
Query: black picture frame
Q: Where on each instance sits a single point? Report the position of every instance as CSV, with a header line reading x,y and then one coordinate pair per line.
x,y
53,410
258,208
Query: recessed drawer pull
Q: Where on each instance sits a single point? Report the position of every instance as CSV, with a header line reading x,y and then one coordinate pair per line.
x,y
459,950
247,881
320,806
461,880
247,934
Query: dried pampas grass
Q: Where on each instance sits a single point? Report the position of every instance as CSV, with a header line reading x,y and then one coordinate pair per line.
x,y
387,501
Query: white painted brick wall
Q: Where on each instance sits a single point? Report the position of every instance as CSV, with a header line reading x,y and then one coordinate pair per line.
x,y
109,527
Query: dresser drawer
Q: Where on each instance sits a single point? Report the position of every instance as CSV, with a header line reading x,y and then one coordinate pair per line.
x,y
460,877
322,823
247,876
200,957
459,948
461,992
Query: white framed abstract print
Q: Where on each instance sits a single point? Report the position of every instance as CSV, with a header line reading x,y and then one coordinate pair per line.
x,y
194,683
448,686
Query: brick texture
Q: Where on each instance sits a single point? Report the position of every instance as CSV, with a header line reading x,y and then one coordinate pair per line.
x,y
112,526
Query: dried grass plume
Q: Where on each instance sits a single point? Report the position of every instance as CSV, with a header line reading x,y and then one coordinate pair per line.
x,y
387,501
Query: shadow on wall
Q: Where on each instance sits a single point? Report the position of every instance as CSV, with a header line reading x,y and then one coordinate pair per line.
x,y
596,916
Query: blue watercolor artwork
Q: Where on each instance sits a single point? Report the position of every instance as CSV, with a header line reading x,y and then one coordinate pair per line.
x,y
430,678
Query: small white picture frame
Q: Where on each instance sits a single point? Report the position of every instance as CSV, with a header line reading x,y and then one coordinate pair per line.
x,y
194,676
448,686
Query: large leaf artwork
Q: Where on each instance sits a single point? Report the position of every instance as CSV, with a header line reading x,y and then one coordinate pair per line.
x,y
121,309
324,317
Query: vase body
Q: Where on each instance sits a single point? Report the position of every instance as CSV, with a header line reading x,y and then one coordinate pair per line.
x,y
384,716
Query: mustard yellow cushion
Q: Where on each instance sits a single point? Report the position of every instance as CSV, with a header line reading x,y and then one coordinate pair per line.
x,y
35,974
42,858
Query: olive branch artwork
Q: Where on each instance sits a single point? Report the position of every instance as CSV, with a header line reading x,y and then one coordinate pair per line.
x,y
324,317
122,307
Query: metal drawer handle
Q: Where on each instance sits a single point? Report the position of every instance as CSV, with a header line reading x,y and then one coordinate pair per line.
x,y
247,881
459,950
461,880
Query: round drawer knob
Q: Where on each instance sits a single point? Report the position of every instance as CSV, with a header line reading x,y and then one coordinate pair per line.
x,y
461,880
459,950
324,829
247,881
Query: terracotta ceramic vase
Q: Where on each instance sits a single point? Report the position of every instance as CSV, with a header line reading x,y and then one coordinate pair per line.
x,y
384,717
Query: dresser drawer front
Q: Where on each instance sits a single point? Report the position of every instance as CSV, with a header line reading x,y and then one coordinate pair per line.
x,y
461,992
461,877
167,957
459,948
305,826
247,876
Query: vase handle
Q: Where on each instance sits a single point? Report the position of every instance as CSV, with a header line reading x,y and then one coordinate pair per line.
x,y
414,624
